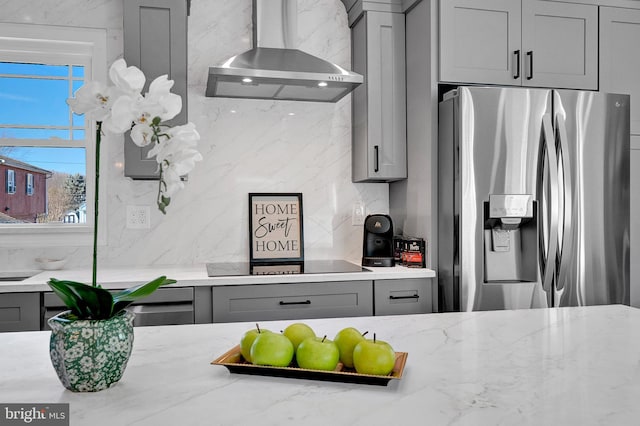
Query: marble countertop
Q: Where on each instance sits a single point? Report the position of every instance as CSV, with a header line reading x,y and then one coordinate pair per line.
x,y
529,367
196,275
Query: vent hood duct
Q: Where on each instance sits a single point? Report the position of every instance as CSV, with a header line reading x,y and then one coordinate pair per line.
x,y
274,69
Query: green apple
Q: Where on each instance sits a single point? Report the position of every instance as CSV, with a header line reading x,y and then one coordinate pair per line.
x,y
374,357
315,353
272,349
347,339
297,332
247,340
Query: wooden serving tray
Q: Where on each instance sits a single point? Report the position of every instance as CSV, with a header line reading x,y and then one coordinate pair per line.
x,y
236,364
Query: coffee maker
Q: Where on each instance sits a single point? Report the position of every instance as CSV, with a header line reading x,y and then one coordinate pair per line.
x,y
377,247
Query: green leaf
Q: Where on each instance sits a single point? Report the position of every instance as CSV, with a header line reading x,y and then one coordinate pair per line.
x,y
161,207
124,298
85,301
156,121
67,295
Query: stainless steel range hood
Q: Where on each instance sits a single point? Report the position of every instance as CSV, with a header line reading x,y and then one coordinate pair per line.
x,y
274,69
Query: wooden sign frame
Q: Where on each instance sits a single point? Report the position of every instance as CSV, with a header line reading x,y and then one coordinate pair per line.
x,y
275,227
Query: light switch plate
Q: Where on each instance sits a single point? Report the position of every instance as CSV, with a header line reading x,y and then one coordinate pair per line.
x,y
357,214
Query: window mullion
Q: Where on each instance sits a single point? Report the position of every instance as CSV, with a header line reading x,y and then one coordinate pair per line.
x,y
70,95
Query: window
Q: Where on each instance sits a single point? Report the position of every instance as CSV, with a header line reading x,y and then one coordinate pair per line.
x,y
40,68
11,181
29,184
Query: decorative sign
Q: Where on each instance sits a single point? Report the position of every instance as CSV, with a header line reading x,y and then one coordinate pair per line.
x,y
277,268
275,227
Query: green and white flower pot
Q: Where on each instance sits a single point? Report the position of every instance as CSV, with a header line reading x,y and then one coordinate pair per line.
x,y
90,355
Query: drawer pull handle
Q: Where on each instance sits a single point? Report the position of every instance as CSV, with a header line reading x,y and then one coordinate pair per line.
x,y
414,296
306,302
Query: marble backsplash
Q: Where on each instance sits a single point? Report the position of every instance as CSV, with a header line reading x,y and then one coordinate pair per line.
x,y
247,145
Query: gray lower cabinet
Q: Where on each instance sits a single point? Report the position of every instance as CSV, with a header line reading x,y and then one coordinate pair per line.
x,y
19,311
155,40
166,306
401,297
263,302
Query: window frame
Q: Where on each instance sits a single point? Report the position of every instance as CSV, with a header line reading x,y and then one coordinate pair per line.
x,y
10,185
59,45
29,184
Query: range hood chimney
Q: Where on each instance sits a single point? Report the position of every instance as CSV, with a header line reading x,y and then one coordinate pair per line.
x,y
274,68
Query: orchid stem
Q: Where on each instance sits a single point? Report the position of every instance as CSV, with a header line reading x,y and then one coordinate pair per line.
x,y
95,205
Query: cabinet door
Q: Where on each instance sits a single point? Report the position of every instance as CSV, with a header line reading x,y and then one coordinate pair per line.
x,y
155,40
634,226
265,302
560,45
379,104
404,296
620,56
480,41
19,311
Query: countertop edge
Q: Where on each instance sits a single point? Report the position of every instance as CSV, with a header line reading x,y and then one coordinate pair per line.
x,y
196,276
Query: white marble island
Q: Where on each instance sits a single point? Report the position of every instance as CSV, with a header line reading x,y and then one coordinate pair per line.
x,y
545,366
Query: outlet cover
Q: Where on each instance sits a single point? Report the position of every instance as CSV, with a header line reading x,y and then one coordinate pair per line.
x,y
138,217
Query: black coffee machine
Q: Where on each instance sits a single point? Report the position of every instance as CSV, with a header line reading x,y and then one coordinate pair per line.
x,y
377,248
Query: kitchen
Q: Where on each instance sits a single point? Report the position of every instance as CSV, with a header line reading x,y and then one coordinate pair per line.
x,y
242,159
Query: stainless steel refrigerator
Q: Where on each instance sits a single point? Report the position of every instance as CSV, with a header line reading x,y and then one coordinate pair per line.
x,y
533,196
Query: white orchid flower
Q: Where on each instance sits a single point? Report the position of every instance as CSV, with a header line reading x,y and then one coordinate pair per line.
x,y
171,182
124,111
93,99
185,133
122,107
159,94
179,138
142,134
175,166
129,79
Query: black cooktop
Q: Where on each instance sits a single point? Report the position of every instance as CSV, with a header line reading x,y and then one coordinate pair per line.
x,y
306,267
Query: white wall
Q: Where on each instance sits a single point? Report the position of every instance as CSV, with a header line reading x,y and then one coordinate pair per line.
x,y
259,148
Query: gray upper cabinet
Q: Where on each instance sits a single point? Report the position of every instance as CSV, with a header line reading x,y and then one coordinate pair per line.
x,y
479,41
379,151
155,40
620,57
634,225
560,45
529,43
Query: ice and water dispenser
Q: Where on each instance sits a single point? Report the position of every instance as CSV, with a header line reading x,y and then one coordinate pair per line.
x,y
510,238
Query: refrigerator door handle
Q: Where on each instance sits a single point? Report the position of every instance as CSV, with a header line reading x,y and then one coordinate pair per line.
x,y
564,245
549,152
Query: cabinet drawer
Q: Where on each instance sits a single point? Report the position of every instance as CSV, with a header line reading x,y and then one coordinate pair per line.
x,y
166,306
405,296
19,311
265,302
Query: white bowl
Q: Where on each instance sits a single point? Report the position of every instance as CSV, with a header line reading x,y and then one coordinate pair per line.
x,y
51,264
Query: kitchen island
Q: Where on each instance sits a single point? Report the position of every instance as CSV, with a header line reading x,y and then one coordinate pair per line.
x,y
543,366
